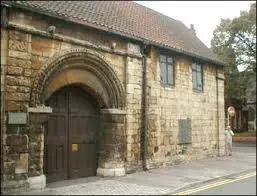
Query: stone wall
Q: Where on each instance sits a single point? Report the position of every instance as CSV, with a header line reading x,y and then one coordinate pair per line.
x,y
111,160
25,53
133,110
29,47
167,105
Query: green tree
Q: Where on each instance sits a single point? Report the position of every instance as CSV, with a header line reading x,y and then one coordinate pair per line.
x,y
243,38
234,42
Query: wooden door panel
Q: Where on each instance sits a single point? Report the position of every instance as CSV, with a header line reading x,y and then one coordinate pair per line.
x,y
82,132
90,151
80,103
86,161
75,120
56,138
83,128
57,126
60,157
56,162
58,102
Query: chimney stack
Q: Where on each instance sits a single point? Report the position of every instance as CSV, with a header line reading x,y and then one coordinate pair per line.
x,y
192,28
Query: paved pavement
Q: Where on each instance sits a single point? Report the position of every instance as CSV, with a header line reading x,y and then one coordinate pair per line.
x,y
161,181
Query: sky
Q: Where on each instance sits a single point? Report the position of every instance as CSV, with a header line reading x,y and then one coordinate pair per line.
x,y
204,15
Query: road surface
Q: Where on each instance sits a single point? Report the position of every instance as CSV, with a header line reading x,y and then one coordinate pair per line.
x,y
239,185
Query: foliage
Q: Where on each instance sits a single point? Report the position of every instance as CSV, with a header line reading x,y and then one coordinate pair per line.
x,y
234,42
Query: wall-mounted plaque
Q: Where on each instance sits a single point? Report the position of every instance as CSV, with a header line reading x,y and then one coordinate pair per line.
x,y
17,118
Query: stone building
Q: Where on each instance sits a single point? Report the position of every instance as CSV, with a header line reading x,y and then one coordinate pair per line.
x,y
102,88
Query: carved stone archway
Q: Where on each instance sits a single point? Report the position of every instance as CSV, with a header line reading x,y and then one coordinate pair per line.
x,y
90,70
96,69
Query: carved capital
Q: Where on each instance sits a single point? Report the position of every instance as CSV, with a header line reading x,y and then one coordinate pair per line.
x,y
39,114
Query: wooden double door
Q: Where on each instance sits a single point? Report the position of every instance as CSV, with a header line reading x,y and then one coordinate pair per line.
x,y
71,135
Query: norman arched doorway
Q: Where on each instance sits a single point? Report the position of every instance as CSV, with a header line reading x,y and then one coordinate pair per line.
x,y
83,77
71,135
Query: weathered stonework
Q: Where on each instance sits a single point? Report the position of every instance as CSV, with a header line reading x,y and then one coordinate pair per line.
x,y
36,65
181,102
133,110
37,118
111,160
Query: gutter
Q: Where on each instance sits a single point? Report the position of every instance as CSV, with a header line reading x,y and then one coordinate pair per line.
x,y
125,97
217,104
4,55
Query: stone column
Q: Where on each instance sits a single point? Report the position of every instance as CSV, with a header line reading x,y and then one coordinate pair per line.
x,y
37,117
112,142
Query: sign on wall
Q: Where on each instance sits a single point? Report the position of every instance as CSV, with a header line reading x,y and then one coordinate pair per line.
x,y
17,118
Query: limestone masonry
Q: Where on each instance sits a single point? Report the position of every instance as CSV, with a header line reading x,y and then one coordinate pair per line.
x,y
35,64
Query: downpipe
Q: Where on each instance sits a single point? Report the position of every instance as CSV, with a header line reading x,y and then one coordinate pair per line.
x,y
217,104
145,52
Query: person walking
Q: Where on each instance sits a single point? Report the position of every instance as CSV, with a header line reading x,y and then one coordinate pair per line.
x,y
228,140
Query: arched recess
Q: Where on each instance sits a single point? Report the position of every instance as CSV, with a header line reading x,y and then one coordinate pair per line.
x,y
89,70
79,66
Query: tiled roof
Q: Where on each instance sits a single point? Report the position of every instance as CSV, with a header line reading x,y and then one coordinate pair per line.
x,y
128,19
